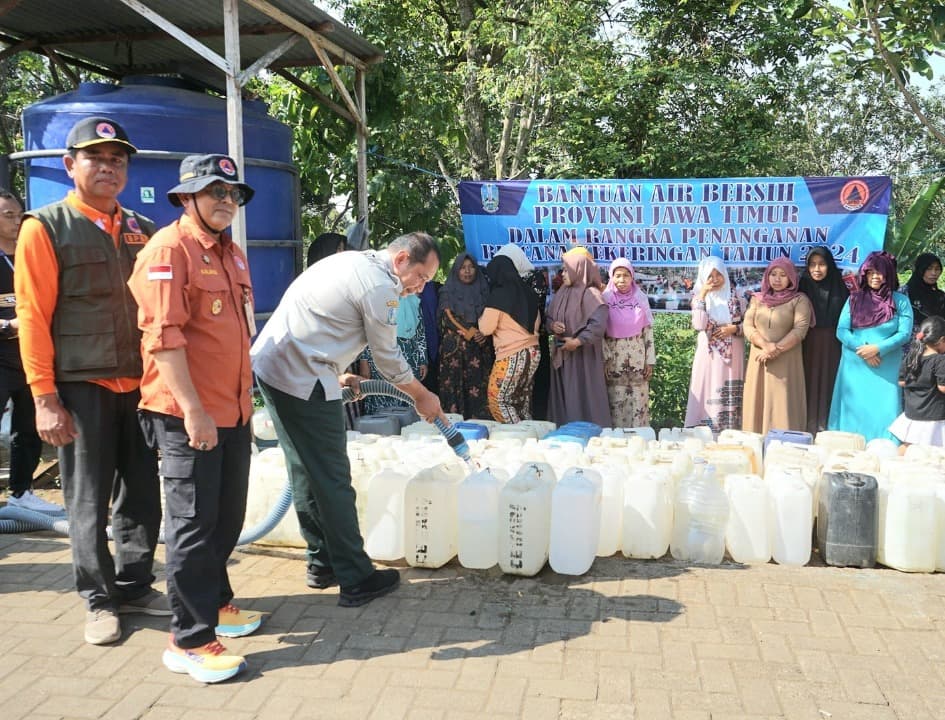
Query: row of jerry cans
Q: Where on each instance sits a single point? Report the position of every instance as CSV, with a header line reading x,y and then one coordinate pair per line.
x,y
522,522
487,518
514,523
635,520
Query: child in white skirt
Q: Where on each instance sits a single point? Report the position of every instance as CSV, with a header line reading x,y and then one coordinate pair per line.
x,y
922,378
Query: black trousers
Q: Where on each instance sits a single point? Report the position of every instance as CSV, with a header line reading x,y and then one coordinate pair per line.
x,y
25,445
109,461
204,506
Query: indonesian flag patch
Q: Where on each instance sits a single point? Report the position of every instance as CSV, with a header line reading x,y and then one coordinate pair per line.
x,y
160,272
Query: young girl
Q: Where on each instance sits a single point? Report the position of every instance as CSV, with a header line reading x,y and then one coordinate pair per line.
x,y
922,377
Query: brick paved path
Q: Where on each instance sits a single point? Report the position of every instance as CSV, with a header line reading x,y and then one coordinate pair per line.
x,y
643,640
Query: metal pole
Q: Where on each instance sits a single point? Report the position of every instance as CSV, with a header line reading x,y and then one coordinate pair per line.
x,y
234,105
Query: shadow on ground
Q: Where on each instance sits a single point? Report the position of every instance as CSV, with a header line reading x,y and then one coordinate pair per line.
x,y
454,613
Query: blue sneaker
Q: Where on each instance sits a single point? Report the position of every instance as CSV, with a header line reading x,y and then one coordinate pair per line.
x,y
209,663
233,622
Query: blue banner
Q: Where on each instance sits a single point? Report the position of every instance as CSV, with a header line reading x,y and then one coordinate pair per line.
x,y
675,223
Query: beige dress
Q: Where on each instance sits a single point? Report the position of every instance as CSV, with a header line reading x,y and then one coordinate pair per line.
x,y
775,396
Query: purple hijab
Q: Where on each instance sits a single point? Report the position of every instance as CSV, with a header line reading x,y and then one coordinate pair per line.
x,y
869,307
629,311
769,297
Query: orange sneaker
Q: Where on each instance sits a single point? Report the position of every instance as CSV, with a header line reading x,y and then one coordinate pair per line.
x,y
209,663
233,622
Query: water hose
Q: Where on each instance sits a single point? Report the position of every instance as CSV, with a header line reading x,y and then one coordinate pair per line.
x,y
18,520
381,387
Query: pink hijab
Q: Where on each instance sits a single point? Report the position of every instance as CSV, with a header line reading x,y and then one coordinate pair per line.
x,y
769,297
630,310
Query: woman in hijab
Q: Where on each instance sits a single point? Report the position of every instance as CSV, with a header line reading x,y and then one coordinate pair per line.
x,y
412,340
875,323
325,245
718,368
511,318
922,288
775,325
465,353
577,317
823,285
629,355
523,266
537,280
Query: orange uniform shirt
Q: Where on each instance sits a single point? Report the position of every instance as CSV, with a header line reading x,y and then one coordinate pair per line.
x,y
36,283
192,293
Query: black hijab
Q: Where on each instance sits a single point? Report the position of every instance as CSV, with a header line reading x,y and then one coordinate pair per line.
x,y
510,293
325,245
466,302
828,295
927,300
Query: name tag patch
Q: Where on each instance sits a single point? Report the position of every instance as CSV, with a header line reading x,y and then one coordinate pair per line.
x,y
160,272
134,238
209,271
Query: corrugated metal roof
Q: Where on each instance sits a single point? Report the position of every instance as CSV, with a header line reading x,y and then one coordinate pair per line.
x,y
110,36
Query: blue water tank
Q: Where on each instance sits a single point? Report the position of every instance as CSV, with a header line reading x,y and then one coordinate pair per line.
x,y
167,121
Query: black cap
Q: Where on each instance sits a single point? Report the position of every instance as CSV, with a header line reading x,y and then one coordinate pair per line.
x,y
199,171
96,130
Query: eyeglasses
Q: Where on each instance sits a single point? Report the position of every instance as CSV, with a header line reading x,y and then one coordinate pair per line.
x,y
221,192
424,279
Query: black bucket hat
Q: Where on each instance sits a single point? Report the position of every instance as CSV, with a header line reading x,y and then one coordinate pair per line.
x,y
95,131
199,171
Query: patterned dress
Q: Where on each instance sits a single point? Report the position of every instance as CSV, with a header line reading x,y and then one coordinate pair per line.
x,y
627,390
464,371
510,386
415,353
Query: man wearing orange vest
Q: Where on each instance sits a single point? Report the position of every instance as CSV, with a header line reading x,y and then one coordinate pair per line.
x,y
81,352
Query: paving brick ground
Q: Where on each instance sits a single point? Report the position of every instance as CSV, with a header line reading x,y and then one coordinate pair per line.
x,y
643,640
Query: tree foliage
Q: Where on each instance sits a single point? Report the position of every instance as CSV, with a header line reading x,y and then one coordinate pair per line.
x,y
24,79
891,39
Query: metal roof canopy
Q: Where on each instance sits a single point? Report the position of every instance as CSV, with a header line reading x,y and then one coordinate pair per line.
x,y
205,43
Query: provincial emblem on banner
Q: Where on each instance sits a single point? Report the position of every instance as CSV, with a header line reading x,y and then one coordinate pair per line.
x,y
490,197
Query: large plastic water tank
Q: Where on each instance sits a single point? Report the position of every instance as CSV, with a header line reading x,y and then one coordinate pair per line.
x,y
166,121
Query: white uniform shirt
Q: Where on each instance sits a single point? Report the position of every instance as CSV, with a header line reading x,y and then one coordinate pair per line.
x,y
324,321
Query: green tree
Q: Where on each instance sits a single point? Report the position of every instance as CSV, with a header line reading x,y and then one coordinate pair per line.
x,y
516,88
25,78
892,39
704,86
834,127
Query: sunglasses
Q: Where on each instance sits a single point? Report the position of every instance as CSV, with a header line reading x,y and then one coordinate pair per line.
x,y
221,192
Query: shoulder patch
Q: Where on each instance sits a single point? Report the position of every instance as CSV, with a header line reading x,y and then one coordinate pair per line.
x,y
160,272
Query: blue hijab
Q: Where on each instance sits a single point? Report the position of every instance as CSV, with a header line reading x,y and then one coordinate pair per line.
x,y
408,316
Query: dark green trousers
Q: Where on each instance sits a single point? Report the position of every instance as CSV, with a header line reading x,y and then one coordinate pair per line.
x,y
312,435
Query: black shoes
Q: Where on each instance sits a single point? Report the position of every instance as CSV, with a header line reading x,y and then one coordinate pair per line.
x,y
378,583
320,577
